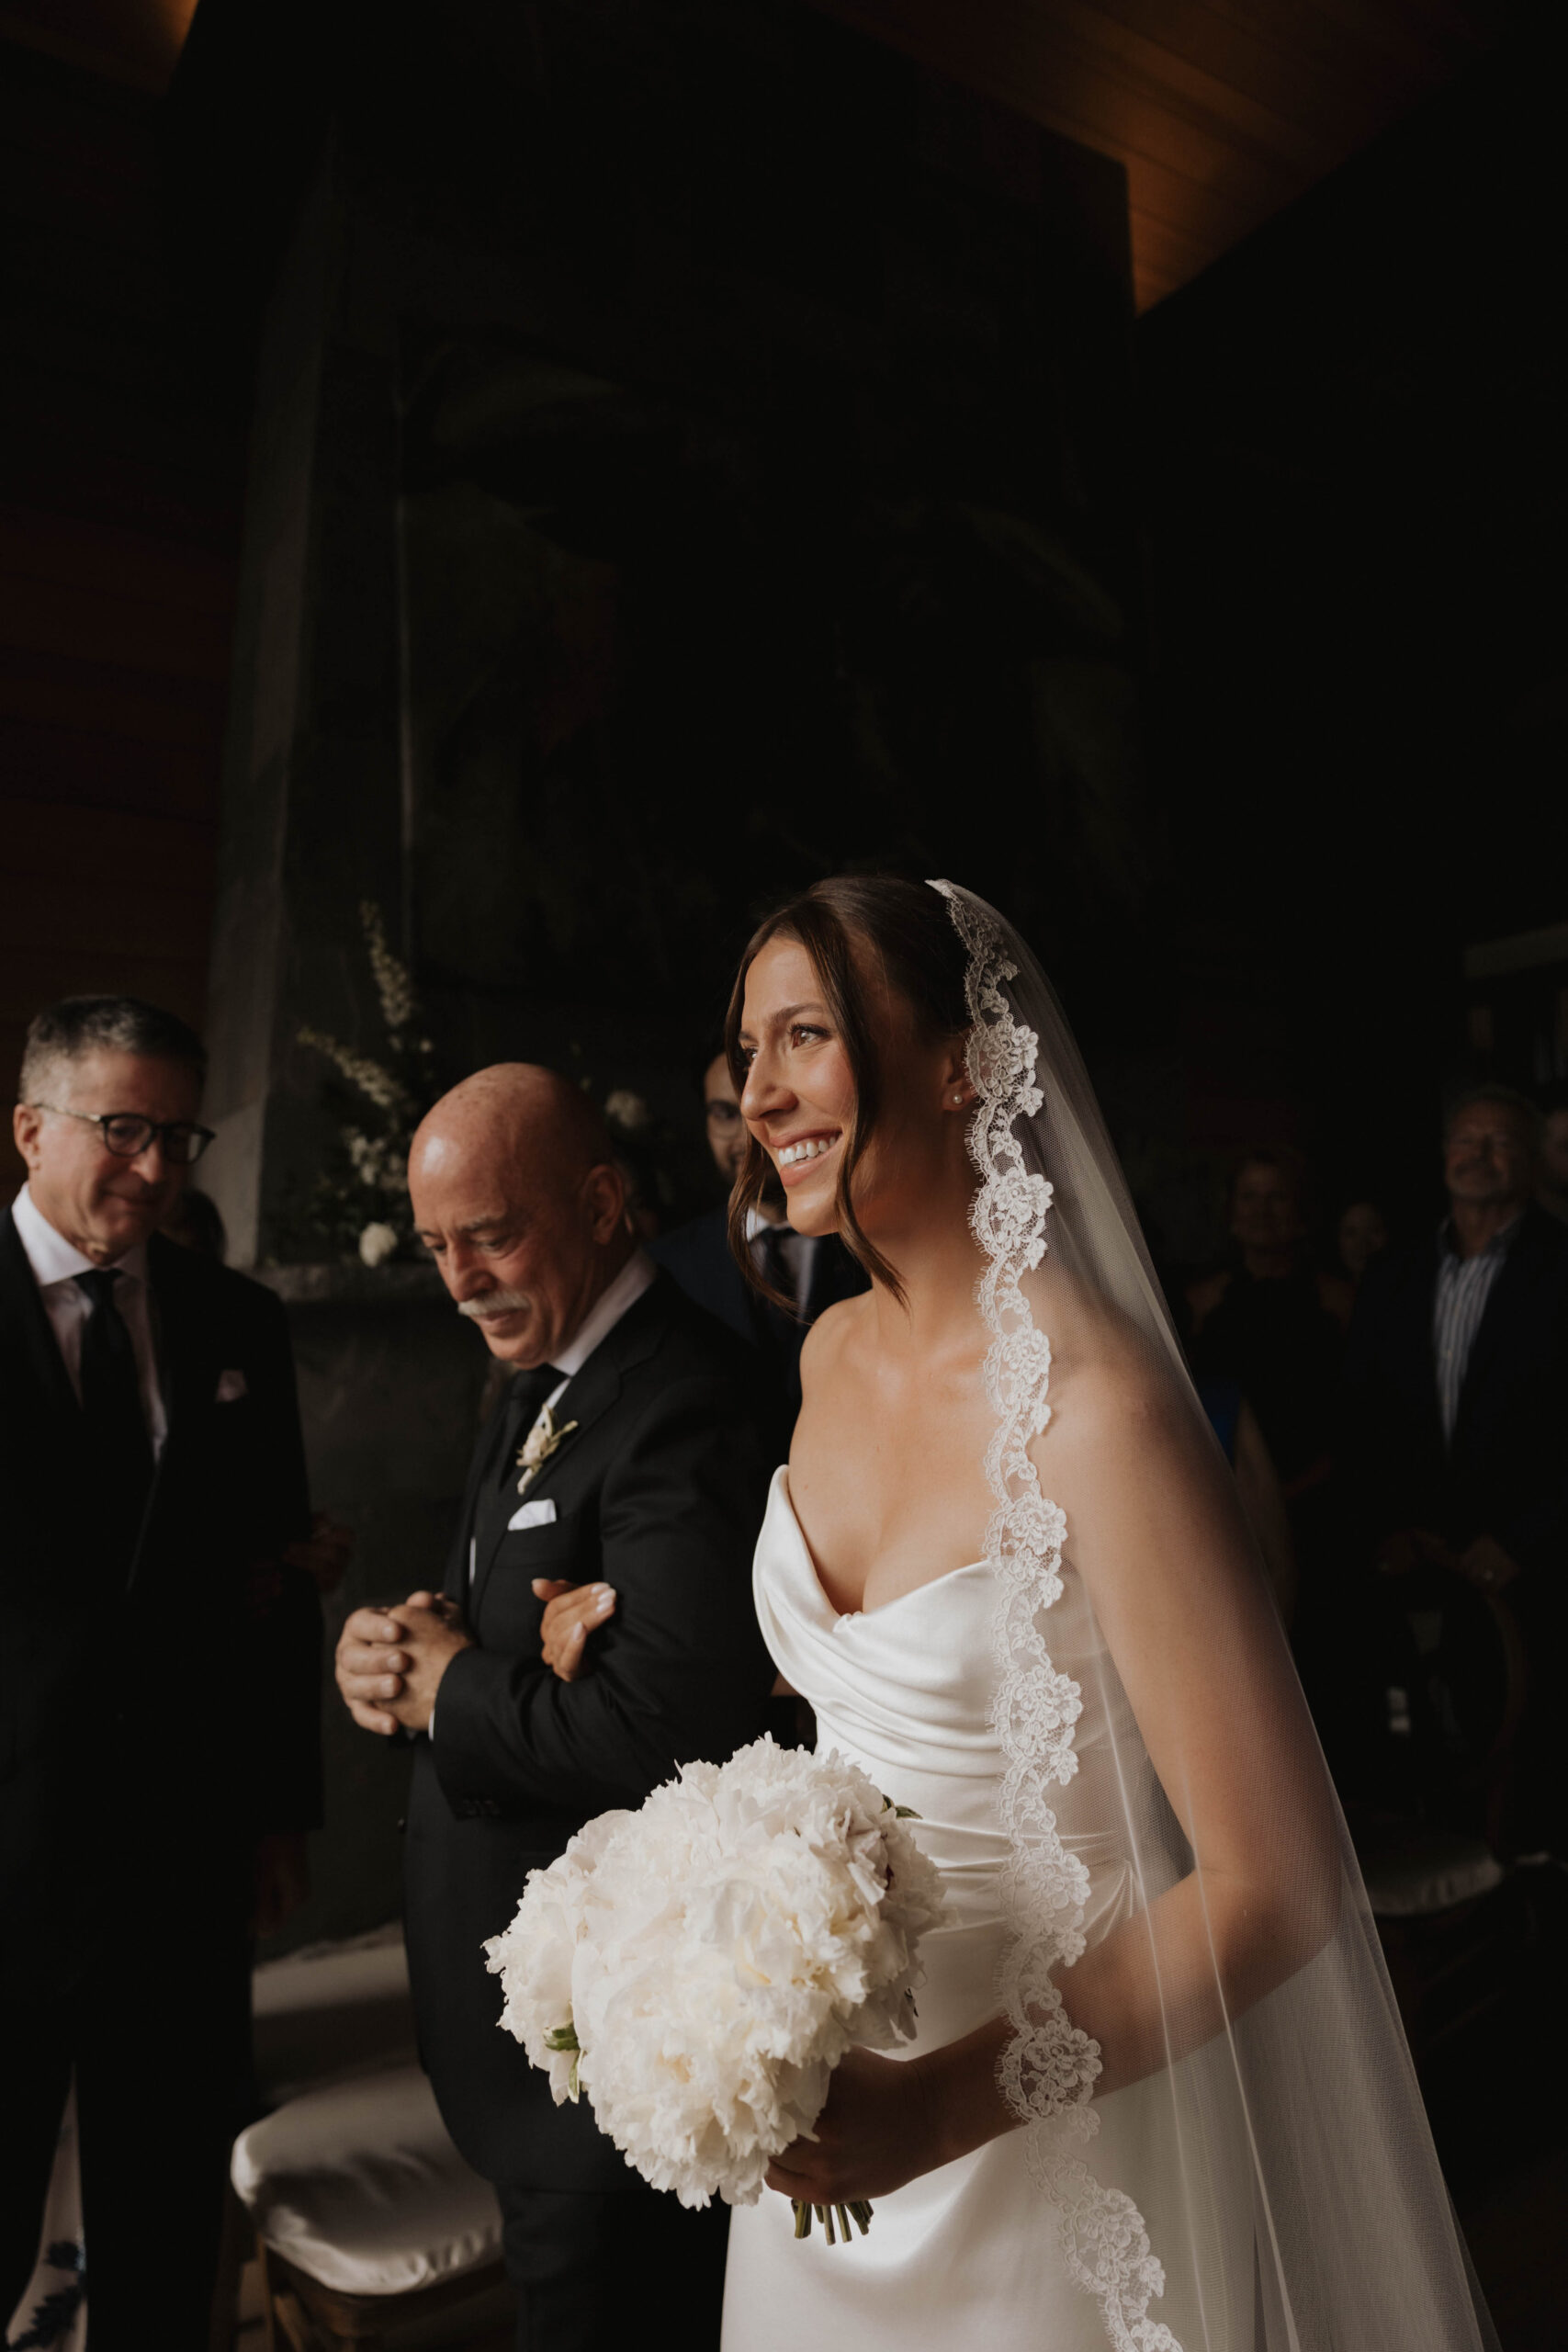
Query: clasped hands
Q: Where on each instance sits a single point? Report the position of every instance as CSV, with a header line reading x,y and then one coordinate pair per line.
x,y
390,1661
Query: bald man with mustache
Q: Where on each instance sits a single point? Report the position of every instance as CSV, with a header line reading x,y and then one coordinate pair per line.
x,y
617,1488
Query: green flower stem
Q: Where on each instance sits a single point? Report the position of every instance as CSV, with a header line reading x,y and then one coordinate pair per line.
x,y
857,2208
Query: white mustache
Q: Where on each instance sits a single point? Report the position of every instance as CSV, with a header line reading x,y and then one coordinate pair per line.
x,y
493,1302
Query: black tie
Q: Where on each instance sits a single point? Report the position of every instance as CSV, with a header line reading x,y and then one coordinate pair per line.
x,y
120,1450
529,1392
775,1267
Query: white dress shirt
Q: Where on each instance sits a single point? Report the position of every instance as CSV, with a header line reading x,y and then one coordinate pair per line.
x,y
56,1263
601,1319
1464,1285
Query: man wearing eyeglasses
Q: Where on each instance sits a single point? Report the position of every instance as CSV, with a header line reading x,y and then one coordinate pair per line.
x,y
152,1814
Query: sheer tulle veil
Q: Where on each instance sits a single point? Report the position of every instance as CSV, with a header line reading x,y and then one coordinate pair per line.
x,y
1268,2182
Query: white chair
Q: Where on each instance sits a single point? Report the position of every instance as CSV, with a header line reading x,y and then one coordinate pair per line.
x,y
372,2230
330,2010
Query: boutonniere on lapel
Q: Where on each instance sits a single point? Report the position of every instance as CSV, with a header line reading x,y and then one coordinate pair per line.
x,y
545,1436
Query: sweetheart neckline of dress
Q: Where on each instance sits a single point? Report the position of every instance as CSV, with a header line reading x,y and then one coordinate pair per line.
x,y
843,1617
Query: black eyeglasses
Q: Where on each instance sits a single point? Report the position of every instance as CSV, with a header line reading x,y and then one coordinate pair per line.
x,y
128,1135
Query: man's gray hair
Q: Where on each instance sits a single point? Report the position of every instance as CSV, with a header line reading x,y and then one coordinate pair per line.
x,y
1507,1098
106,1025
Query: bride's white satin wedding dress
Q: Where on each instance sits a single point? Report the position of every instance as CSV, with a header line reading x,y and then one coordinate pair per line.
x,y
967,2254
1270,2184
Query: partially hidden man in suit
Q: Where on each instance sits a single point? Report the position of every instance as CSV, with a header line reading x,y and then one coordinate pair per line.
x,y
622,1481
1454,1443
814,1274
150,1810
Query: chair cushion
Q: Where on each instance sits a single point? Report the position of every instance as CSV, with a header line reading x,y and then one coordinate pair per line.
x,y
1413,1871
332,2009
357,2183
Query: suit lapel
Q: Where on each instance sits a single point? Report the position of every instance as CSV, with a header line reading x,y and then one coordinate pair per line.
x,y
1510,1288
34,1368
587,1398
186,1380
1417,1362
482,1477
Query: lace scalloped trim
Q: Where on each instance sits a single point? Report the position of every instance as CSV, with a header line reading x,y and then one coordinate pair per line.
x,y
1048,2067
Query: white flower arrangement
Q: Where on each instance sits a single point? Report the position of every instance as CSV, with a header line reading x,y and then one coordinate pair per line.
x,y
699,1967
361,1197
377,1083
626,1111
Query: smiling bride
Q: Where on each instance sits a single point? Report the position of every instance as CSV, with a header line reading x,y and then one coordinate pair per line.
x,y
1159,2095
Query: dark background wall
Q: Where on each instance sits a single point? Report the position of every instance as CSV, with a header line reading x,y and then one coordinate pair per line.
x,y
1348,494
695,453
121,479
1354,495
727,465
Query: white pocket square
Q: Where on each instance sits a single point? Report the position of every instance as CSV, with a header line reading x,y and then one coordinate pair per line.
x,y
539,1514
231,1388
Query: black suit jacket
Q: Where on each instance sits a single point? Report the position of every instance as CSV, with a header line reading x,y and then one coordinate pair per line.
x,y
702,1261
660,1491
1505,1471
155,1717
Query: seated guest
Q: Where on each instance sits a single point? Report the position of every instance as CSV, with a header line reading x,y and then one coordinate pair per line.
x,y
813,1275
1271,1324
157,1793
1456,1402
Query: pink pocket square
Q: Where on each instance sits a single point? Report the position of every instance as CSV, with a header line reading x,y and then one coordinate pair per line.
x,y
231,1387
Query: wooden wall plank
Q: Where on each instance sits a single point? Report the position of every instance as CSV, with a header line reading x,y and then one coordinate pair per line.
x,y
50,690
73,767
42,838
33,976
120,489
112,562
127,632
105,914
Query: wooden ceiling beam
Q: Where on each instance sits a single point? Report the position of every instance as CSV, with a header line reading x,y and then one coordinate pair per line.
x,y
1221,111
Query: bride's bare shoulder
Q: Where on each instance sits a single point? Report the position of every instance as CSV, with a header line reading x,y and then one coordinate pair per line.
x,y
1108,1380
830,1342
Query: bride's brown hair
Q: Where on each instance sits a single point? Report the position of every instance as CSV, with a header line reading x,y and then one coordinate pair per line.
x,y
905,929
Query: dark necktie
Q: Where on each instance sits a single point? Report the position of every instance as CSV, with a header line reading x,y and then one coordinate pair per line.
x,y
529,1392
120,1450
773,1264
498,1501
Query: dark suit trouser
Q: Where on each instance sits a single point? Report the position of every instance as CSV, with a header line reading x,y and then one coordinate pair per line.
x,y
158,2033
600,2274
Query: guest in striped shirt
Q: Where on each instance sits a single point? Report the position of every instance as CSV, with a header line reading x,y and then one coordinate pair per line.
x,y
1454,1436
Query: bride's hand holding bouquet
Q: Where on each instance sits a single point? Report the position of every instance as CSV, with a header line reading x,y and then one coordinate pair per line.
x,y
700,1968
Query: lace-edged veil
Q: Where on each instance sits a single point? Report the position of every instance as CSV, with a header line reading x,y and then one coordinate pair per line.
x,y
1266,2182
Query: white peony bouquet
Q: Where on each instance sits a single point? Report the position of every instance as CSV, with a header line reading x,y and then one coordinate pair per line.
x,y
700,1966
